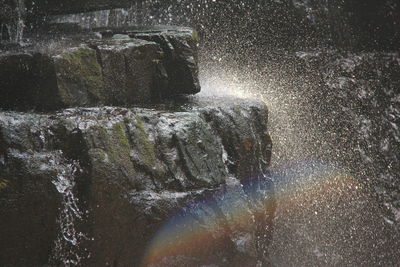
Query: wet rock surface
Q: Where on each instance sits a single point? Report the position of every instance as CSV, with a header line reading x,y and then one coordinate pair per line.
x,y
359,92
120,174
113,70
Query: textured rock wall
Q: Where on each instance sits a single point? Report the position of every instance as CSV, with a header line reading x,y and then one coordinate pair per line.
x,y
120,174
351,118
363,90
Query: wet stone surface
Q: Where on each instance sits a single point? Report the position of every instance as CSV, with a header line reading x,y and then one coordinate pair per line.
x,y
133,181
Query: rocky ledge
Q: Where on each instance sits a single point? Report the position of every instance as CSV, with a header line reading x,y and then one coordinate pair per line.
x,y
167,185
106,67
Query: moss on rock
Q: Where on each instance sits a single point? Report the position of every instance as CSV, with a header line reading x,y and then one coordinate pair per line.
x,y
79,77
119,132
144,147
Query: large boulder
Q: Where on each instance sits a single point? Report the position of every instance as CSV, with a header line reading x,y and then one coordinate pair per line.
x,y
130,186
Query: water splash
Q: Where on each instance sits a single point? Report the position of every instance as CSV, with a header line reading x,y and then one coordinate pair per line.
x,y
213,222
222,82
195,227
335,221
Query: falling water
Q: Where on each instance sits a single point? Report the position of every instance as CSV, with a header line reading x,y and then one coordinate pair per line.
x,y
14,24
67,246
20,21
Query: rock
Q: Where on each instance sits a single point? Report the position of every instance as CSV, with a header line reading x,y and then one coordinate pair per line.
x,y
179,46
179,56
354,24
29,201
131,176
118,71
132,70
46,81
79,77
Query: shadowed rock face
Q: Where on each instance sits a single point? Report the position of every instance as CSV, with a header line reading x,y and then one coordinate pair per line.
x,y
114,70
355,24
103,181
180,61
44,81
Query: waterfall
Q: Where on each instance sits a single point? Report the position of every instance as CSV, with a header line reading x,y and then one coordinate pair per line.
x,y
12,21
20,24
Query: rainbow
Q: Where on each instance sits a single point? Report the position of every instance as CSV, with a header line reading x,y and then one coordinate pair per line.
x,y
306,181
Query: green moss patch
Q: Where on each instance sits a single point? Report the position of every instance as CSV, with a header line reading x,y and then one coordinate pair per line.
x,y
79,77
